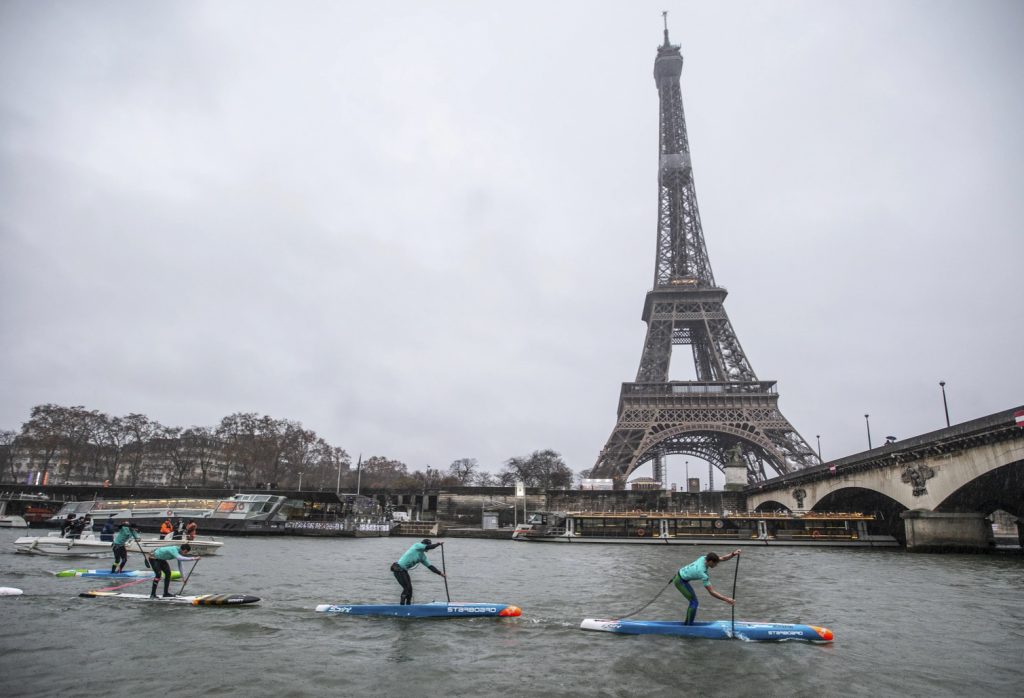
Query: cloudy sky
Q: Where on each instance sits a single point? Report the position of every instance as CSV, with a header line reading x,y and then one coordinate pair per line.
x,y
425,229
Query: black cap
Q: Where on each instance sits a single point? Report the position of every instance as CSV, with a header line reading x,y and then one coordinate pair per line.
x,y
425,541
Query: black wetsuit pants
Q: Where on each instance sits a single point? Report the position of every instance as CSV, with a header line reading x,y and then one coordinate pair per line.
x,y
120,557
161,567
402,575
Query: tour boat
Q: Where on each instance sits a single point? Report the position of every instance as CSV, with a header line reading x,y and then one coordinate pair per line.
x,y
242,513
704,528
90,545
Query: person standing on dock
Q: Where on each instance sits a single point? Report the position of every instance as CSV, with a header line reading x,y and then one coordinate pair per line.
x,y
159,560
413,556
698,569
119,545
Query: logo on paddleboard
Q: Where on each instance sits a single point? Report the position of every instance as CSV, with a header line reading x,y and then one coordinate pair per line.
x,y
472,609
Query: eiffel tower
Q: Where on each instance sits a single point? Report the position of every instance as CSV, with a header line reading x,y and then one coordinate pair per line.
x,y
726,413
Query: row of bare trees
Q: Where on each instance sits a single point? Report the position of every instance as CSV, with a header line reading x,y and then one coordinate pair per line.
x,y
73,444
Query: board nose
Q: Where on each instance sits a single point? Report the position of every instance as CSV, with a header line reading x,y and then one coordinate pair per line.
x,y
510,611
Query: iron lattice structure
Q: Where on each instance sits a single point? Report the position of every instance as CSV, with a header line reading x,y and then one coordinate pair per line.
x,y
726,405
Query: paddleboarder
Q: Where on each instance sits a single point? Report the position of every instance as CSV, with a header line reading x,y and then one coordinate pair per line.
x,y
698,569
413,556
124,533
159,561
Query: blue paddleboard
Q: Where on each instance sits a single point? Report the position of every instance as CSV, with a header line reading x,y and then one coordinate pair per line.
x,y
714,629
437,609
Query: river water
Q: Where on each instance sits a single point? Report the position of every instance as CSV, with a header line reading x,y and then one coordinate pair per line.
x,y
905,624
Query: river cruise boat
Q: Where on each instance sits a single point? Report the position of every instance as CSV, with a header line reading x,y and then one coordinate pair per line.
x,y
704,528
91,545
147,514
258,513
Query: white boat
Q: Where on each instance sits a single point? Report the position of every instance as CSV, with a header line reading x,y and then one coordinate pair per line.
x,y
147,513
22,504
12,521
90,545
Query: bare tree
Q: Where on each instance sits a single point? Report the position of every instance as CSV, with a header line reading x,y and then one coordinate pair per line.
x,y
540,469
8,447
140,430
463,470
201,448
42,434
382,472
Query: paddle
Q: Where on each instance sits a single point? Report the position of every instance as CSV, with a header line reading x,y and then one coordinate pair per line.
x,y
735,574
139,544
188,576
444,571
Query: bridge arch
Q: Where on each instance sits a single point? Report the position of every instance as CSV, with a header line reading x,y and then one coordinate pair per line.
x,y
703,442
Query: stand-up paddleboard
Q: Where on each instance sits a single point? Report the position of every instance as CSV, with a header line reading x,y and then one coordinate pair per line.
x,y
715,629
107,574
197,600
437,609
10,591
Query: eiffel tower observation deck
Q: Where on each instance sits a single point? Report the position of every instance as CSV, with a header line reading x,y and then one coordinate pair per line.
x,y
726,415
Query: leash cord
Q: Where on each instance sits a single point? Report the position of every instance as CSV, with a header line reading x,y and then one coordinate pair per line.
x,y
649,602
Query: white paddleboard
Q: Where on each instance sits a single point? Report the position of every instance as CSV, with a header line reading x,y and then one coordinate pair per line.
x,y
197,600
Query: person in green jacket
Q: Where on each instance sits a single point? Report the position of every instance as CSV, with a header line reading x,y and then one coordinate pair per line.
x,y
161,567
412,557
119,546
698,569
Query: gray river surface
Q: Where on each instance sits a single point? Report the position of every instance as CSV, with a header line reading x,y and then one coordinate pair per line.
x,y
905,624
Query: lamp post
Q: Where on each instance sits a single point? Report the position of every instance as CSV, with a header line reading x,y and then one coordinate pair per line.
x,y
945,405
687,488
867,422
818,437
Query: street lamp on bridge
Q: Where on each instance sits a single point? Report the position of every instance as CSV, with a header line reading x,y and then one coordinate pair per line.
x,y
818,437
945,405
867,423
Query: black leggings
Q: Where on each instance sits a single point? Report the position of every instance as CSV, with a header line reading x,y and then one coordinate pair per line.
x,y
161,567
402,575
120,556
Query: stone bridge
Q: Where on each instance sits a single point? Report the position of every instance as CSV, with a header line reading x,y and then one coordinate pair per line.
x,y
941,486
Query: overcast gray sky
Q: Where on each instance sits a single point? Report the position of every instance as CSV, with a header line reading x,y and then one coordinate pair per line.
x,y
425,229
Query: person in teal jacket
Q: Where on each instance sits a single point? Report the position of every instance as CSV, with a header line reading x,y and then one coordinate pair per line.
x,y
119,546
161,567
698,569
413,556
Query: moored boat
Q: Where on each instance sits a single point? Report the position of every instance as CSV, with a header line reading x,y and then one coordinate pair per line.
x,y
252,513
705,528
90,545
21,509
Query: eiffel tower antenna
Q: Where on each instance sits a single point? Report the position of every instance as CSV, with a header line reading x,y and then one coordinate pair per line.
x,y
726,408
